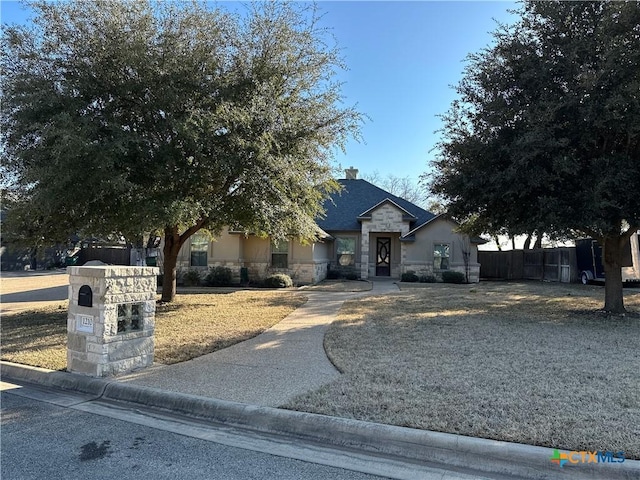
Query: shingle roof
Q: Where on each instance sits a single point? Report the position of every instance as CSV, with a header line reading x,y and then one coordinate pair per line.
x,y
358,196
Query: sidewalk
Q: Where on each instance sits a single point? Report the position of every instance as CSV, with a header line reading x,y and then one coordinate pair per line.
x,y
268,370
237,388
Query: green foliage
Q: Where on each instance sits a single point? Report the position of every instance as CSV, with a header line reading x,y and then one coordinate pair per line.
x,y
449,276
219,277
428,279
137,116
333,274
192,278
278,280
546,132
348,273
409,276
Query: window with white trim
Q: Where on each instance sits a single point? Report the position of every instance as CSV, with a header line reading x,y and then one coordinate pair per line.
x,y
346,251
280,254
199,249
441,255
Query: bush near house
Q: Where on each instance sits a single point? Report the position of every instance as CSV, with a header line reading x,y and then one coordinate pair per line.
x,y
279,280
453,277
348,273
409,276
219,277
333,275
192,278
428,279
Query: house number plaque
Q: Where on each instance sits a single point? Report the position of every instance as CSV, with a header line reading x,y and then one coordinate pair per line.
x,y
84,323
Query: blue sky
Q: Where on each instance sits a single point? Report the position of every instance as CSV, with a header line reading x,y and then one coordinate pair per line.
x,y
402,58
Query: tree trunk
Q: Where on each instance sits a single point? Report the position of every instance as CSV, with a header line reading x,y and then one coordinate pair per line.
x,y
33,258
172,244
538,243
612,262
527,242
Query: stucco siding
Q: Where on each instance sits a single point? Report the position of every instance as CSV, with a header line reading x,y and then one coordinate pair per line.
x,y
419,254
301,252
321,251
226,247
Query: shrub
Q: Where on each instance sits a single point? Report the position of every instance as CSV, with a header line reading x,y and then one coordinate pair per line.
x,y
351,276
409,276
333,274
428,279
279,280
453,277
192,278
218,277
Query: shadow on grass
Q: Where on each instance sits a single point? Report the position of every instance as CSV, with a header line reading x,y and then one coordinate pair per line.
x,y
186,300
32,327
193,325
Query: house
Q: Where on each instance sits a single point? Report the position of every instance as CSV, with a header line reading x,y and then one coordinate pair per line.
x,y
367,232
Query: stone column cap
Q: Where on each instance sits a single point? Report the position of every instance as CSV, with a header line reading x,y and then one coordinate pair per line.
x,y
106,271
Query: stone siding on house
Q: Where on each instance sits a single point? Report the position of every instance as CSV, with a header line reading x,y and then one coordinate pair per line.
x,y
385,219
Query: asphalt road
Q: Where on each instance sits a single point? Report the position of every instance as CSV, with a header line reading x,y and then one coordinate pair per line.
x,y
31,290
41,440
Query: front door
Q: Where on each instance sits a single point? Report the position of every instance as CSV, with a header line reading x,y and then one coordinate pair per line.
x,y
383,257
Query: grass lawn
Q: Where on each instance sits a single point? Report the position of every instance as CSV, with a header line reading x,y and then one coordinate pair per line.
x,y
340,286
191,326
522,362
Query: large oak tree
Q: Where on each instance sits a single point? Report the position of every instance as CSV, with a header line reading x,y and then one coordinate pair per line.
x,y
545,134
136,116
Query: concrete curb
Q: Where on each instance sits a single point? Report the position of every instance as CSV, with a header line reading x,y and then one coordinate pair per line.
x,y
54,379
448,450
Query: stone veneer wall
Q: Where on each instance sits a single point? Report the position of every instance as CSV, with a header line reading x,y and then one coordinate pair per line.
x,y
300,273
426,269
384,219
123,298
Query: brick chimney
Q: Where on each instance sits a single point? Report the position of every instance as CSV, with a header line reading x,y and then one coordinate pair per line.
x,y
351,173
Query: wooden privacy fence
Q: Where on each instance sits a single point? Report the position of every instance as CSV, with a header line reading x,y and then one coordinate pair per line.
x,y
548,264
112,255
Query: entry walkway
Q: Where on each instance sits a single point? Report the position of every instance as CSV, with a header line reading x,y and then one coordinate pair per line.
x,y
284,361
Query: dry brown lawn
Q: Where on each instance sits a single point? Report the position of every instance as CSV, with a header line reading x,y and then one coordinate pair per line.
x,y
524,362
192,326
340,285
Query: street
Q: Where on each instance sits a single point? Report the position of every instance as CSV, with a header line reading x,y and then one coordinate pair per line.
x,y
41,440
28,290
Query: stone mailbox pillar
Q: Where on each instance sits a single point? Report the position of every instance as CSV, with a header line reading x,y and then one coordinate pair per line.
x,y
111,319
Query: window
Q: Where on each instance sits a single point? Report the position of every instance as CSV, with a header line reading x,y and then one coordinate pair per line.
x,y
279,254
346,251
441,256
199,249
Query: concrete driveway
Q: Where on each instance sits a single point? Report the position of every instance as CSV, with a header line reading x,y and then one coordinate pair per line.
x,y
28,290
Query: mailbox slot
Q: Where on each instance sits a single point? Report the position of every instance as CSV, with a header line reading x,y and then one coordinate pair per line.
x,y
85,296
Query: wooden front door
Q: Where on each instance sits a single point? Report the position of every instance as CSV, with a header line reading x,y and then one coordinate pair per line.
x,y
383,257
